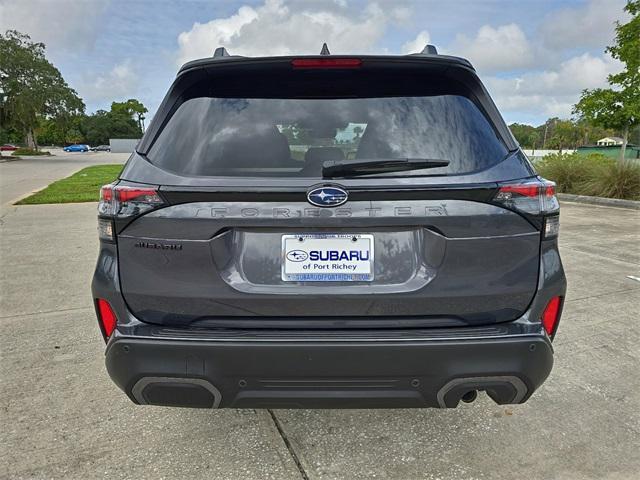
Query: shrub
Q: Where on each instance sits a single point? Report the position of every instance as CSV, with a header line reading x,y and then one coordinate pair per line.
x,y
615,180
592,174
29,151
570,170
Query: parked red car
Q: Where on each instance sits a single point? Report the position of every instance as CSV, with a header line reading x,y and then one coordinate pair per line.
x,y
7,147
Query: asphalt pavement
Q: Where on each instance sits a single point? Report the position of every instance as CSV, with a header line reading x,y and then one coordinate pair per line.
x,y
20,177
61,416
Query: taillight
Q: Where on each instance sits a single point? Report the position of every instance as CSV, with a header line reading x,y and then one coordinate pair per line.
x,y
534,197
124,201
106,317
326,63
551,315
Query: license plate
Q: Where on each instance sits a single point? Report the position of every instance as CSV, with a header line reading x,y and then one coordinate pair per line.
x,y
327,258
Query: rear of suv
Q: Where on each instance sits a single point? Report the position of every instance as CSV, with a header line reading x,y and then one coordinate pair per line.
x,y
328,232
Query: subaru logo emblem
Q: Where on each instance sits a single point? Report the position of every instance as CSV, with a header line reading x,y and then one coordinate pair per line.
x,y
327,196
297,255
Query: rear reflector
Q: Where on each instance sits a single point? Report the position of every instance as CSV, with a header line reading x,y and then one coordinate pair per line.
x,y
326,63
106,317
551,315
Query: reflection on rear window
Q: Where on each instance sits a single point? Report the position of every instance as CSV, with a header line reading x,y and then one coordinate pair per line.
x,y
293,137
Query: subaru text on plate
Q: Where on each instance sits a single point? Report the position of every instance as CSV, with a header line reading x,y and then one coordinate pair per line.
x,y
328,232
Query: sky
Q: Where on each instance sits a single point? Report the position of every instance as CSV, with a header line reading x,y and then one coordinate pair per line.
x,y
534,56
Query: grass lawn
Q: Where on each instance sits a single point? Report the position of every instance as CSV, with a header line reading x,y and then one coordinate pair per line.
x,y
82,186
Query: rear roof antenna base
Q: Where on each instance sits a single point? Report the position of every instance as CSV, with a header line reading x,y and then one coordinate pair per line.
x,y
429,50
325,50
221,52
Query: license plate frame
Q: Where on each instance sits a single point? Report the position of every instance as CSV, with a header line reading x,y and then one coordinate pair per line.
x,y
308,257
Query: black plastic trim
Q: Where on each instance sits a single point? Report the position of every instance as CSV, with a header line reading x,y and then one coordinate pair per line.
x,y
331,374
178,195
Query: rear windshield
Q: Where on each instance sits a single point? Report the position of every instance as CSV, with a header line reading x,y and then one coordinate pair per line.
x,y
252,137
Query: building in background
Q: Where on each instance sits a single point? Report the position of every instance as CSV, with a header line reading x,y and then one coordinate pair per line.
x,y
123,145
609,141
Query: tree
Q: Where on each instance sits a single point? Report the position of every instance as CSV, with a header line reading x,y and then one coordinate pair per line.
x,y
98,128
590,134
133,108
31,88
565,134
560,134
49,133
526,135
296,135
634,136
618,107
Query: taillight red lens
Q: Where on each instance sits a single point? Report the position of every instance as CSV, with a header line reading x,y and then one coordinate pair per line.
x,y
524,190
106,193
550,190
128,194
106,317
326,63
551,315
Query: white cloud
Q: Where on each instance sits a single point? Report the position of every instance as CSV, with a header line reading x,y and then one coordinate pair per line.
x,y
551,66
590,25
502,48
417,44
552,92
277,28
115,85
401,15
59,23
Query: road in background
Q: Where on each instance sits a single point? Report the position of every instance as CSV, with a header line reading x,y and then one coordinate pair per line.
x,y
19,178
63,418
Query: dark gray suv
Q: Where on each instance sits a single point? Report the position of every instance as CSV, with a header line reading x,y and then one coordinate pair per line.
x,y
328,232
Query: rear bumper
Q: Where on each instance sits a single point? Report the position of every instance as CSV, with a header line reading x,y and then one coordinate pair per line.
x,y
308,372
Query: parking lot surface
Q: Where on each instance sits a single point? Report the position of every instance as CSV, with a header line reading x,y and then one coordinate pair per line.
x,y
62,417
21,177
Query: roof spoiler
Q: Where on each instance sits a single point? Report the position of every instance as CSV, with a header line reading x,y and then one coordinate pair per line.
x,y
429,49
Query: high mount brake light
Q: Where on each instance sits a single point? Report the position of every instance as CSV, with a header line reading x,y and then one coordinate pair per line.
x,y
534,197
326,63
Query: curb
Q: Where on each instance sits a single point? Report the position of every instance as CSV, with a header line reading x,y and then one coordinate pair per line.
x,y
606,202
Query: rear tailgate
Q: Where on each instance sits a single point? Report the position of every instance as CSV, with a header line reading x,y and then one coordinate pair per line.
x,y
440,252
455,261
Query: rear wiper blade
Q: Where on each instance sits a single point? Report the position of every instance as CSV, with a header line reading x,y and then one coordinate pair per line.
x,y
378,165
